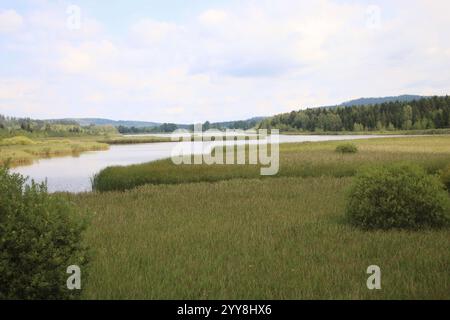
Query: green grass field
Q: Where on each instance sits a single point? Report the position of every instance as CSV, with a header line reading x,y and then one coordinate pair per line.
x,y
233,235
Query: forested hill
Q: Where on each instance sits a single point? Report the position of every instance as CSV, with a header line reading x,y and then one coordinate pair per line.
x,y
425,113
379,100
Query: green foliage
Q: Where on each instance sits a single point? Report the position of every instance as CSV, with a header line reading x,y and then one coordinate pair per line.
x,y
398,196
445,177
347,148
40,236
421,114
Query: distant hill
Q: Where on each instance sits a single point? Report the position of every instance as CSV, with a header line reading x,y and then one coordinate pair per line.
x,y
239,124
146,126
372,101
115,123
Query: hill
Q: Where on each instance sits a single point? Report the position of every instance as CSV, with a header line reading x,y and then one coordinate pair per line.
x,y
240,124
103,122
130,126
371,101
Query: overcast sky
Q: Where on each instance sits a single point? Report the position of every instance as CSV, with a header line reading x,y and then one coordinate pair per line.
x,y
188,61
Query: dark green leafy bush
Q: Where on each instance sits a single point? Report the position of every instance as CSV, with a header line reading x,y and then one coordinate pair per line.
x,y
445,177
347,148
40,236
397,196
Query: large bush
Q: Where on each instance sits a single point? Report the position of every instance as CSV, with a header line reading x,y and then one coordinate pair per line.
x,y
347,148
397,196
40,236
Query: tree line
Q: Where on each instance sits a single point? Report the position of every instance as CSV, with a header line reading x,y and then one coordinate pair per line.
x,y
421,114
170,127
11,126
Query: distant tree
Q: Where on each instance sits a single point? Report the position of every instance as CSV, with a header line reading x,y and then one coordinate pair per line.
x,y
206,125
417,125
380,126
358,127
407,117
390,127
301,121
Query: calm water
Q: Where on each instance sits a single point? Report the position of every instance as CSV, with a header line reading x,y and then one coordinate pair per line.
x,y
74,174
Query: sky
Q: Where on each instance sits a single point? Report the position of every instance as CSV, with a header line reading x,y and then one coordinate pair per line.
x,y
216,60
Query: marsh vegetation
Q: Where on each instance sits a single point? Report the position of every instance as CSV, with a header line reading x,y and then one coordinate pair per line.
x,y
166,231
223,232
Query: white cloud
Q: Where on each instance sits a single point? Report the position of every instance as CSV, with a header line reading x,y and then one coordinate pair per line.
x,y
10,21
95,97
152,32
213,17
15,89
258,58
174,110
87,57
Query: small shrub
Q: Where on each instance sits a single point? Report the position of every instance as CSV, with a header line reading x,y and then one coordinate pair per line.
x,y
40,236
445,177
347,148
397,196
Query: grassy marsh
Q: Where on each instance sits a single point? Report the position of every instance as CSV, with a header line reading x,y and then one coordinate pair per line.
x,y
21,150
310,159
133,139
25,151
233,235
280,238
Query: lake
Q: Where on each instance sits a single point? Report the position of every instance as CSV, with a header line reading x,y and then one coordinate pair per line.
x,y
74,173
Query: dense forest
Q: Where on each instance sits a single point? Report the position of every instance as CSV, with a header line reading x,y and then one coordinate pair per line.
x,y
426,113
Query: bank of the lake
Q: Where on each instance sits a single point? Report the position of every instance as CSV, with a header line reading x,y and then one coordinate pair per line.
x,y
21,150
83,166
308,159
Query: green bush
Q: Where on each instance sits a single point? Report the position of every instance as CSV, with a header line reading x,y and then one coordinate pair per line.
x,y
445,177
40,236
347,148
397,196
